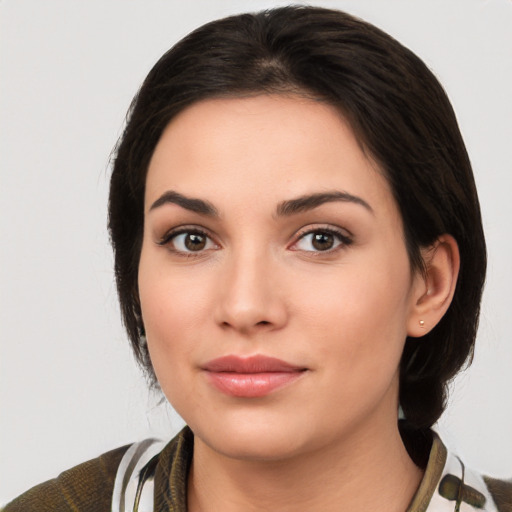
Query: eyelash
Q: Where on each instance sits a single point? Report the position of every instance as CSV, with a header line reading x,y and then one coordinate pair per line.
x,y
168,238
343,239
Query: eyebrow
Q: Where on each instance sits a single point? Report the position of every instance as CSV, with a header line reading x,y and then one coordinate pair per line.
x,y
311,201
189,203
284,209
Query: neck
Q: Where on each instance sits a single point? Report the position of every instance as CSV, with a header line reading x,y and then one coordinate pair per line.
x,y
369,470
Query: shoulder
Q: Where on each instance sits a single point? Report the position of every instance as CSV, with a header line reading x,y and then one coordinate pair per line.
x,y
449,485
468,487
153,475
132,474
501,492
86,487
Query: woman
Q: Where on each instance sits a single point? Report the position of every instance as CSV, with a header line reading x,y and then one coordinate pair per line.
x,y
298,251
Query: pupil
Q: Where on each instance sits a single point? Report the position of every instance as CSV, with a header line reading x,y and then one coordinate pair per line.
x,y
323,241
195,242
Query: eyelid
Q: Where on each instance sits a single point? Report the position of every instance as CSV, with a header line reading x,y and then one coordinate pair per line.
x,y
168,236
343,235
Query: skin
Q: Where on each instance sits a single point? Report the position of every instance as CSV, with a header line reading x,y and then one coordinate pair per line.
x,y
260,286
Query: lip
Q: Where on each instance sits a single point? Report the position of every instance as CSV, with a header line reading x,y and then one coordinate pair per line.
x,y
251,377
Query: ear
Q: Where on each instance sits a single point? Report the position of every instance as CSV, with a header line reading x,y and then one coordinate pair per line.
x,y
433,291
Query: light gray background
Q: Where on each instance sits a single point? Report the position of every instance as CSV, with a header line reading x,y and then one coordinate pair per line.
x,y
69,389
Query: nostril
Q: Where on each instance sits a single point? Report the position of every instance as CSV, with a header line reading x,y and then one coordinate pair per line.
x,y
263,322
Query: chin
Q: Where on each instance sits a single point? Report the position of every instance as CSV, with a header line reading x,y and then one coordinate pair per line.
x,y
253,439
262,447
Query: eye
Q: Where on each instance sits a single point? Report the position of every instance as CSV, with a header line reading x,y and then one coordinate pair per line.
x,y
188,241
321,240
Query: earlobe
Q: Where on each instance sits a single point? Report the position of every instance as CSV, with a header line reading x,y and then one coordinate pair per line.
x,y
433,290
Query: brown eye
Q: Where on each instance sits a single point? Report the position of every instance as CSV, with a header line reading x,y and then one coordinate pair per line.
x,y
194,241
322,241
188,242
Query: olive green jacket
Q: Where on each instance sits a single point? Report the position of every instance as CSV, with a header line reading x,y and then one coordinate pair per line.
x,y
119,479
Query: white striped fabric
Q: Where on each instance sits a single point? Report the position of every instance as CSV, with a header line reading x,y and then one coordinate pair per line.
x,y
127,477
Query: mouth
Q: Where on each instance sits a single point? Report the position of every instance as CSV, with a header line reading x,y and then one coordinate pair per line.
x,y
251,377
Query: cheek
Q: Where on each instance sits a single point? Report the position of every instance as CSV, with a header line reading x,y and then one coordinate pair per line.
x,y
173,310
169,308
171,294
359,318
171,319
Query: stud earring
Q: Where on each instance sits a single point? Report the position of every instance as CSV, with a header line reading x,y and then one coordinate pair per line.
x,y
422,323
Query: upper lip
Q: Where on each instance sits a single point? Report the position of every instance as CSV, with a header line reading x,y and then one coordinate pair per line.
x,y
251,364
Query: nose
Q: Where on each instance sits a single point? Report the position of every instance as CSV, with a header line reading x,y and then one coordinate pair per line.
x,y
251,298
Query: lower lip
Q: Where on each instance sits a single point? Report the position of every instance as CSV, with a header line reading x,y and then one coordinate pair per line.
x,y
251,385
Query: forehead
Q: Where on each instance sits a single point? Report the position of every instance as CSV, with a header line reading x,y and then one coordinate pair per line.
x,y
268,146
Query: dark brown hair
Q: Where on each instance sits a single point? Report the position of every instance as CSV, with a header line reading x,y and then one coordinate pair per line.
x,y
397,109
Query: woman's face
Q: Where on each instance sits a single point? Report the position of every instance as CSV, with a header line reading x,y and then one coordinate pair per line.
x,y
275,285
